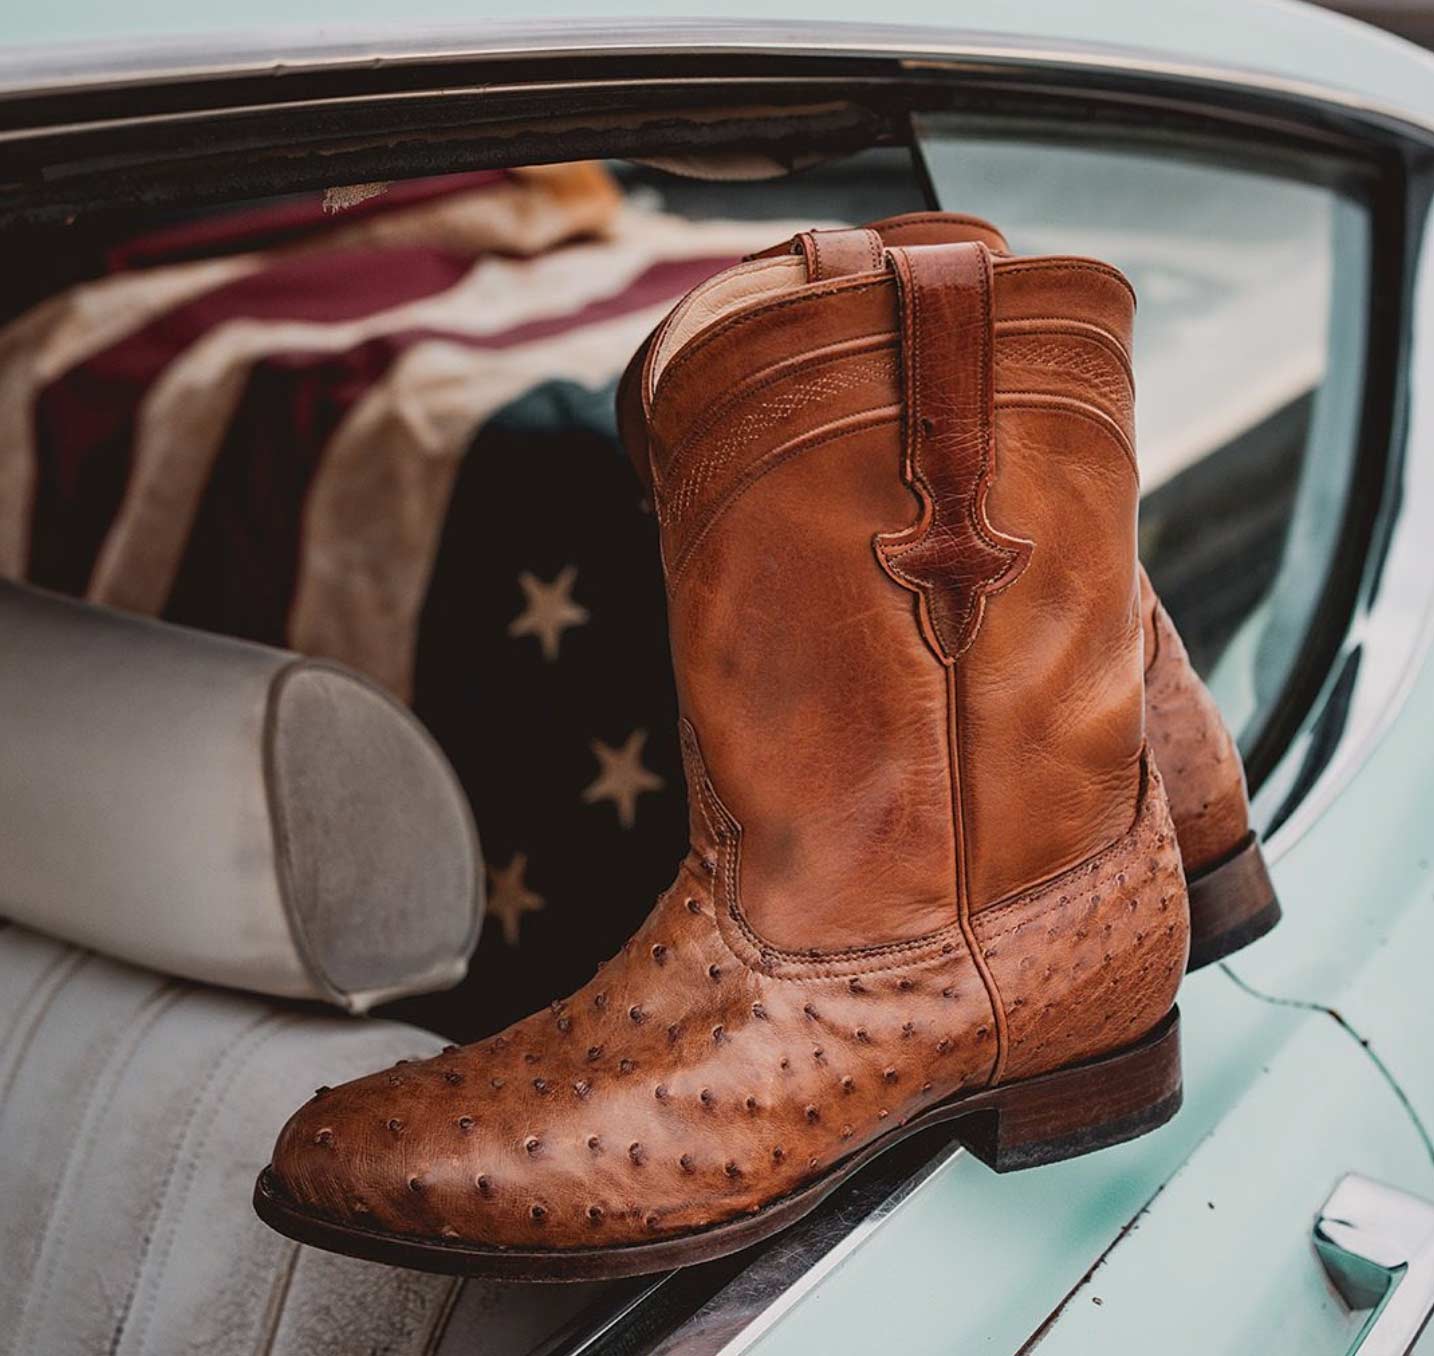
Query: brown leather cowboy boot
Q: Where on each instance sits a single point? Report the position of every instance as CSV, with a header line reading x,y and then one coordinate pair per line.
x,y
932,878
1232,900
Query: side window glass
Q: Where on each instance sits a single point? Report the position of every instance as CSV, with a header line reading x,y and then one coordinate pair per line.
x,y
1249,351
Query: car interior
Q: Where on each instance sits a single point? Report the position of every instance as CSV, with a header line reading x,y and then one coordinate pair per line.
x,y
336,736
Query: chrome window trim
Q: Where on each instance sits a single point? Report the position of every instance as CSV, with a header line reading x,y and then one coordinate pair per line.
x,y
67,67
343,101
736,1318
82,68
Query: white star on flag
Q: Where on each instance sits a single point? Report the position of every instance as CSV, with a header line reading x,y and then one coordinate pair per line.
x,y
623,777
550,610
509,898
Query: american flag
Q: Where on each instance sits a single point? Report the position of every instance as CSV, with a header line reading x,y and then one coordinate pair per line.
x,y
386,436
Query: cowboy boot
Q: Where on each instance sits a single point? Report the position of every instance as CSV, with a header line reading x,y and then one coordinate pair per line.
x,y
1232,900
932,878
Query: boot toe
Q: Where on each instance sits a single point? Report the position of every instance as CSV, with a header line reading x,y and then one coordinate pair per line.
x,y
342,1157
435,1153
396,1152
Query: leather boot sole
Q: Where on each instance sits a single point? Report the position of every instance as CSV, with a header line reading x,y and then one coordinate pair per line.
x,y
1231,904
1024,1124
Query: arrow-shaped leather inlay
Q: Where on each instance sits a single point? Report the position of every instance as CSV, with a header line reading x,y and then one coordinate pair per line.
x,y
952,557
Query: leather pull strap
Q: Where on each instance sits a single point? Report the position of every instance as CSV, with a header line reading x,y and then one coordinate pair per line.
x,y
952,557
839,253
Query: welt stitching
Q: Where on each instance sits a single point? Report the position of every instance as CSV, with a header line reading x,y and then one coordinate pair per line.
x,y
1086,868
830,965
746,317
852,425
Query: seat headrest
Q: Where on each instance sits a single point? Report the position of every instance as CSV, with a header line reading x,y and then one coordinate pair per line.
x,y
224,811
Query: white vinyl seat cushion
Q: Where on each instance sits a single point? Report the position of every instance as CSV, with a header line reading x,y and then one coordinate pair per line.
x,y
136,1111
224,811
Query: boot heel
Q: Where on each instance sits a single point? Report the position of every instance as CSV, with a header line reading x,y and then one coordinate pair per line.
x,y
1078,1110
1231,904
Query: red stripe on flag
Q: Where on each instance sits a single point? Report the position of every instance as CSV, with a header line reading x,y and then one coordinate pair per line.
x,y
85,419
240,567
274,224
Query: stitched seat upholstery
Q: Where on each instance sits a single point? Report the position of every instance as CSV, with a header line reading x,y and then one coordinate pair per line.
x,y
135,1112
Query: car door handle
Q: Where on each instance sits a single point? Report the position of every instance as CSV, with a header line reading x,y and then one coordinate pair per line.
x,y
1377,1245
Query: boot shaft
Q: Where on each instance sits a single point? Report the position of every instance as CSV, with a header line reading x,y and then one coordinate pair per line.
x,y
897,509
